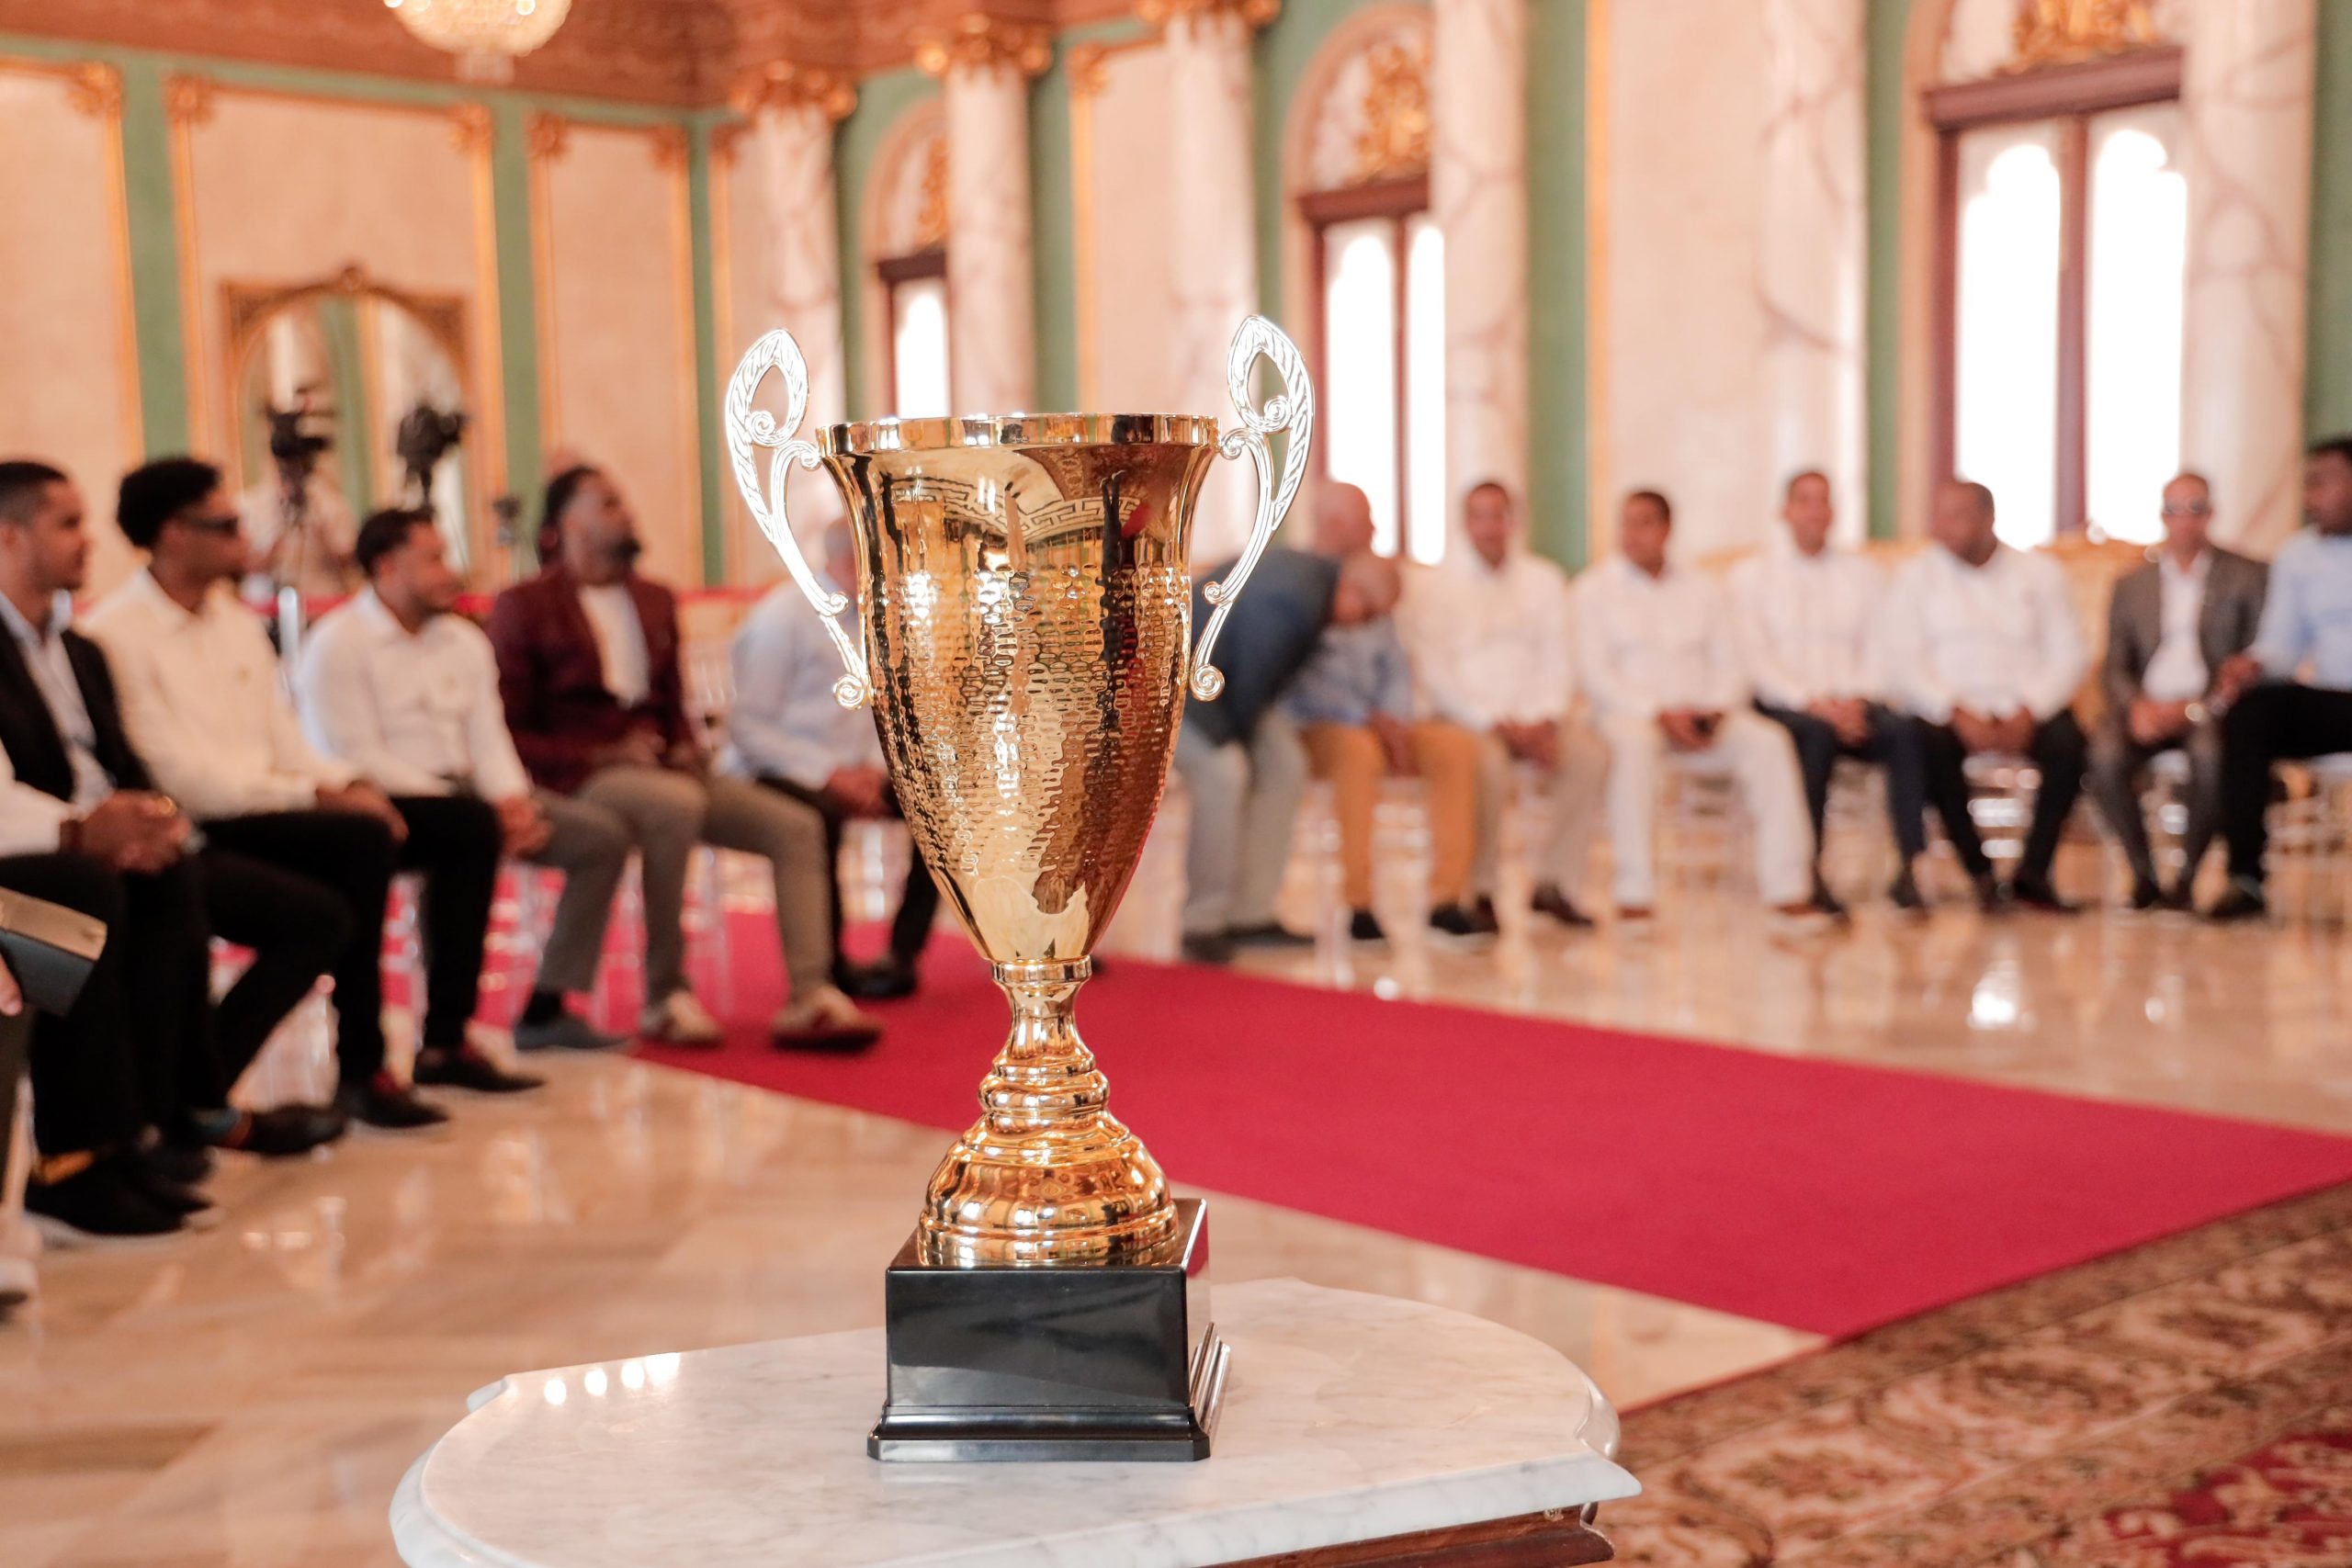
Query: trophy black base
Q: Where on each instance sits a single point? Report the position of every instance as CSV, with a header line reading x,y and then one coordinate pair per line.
x,y
1114,1361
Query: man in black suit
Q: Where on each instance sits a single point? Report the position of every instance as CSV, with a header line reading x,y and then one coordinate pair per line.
x,y
144,1053
2171,626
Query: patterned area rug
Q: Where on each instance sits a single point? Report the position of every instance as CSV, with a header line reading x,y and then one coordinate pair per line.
x,y
2184,1404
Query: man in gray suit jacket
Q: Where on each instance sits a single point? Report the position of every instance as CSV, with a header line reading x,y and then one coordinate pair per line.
x,y
2170,627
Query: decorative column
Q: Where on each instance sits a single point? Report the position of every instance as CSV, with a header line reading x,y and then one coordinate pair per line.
x,y
1214,282
984,63
793,109
1478,198
2247,101
1811,258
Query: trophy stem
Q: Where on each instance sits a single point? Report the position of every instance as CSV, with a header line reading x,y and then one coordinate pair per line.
x,y
1048,1175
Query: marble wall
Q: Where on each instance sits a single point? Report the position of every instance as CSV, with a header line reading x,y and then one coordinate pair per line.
x,y
71,397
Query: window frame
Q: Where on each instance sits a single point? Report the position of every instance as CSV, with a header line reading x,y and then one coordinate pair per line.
x,y
1398,200
2072,95
918,266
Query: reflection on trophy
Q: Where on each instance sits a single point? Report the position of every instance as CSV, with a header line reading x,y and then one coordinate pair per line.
x,y
1025,615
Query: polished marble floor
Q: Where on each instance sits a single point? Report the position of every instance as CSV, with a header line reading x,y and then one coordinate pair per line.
x,y
250,1396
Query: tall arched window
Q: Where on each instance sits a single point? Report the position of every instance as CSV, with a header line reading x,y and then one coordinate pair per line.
x,y
1376,269
907,234
2060,276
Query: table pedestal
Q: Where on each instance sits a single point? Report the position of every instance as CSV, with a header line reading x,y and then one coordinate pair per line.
x,y
1358,1432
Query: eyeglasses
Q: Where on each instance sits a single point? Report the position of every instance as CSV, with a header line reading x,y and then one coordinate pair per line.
x,y
2190,508
222,522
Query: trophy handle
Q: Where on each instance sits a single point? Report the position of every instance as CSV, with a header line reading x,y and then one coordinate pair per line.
x,y
749,428
1291,409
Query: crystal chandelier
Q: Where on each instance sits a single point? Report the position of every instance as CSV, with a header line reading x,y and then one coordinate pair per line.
x,y
485,35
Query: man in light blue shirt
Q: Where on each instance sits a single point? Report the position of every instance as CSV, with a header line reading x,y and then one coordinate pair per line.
x,y
787,731
2289,695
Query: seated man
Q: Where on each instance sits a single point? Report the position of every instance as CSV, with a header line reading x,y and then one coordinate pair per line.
x,y
1805,616
588,669
1243,766
1659,664
1984,650
205,705
2171,626
787,731
400,688
133,1084
2307,621
1496,657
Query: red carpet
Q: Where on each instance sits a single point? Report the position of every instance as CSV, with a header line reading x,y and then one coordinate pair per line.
x,y
1822,1196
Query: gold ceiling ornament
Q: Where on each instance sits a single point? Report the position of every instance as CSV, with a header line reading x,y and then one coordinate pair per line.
x,y
487,36
931,216
546,135
784,85
2067,32
95,89
469,127
978,42
1394,140
1253,13
190,100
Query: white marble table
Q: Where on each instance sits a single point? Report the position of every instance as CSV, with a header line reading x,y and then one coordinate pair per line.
x,y
1349,1418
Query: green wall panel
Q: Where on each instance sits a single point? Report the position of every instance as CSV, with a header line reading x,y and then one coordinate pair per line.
x,y
1559,280
857,142
2328,382
1890,26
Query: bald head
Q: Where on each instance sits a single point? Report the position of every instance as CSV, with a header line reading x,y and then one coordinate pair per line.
x,y
1342,520
1961,521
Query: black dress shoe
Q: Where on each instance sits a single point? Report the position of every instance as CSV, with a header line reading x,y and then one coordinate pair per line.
x,y
384,1101
1272,934
192,1208
289,1130
469,1068
188,1164
885,980
96,1206
1905,894
2241,903
1454,920
1550,900
2036,893
1208,947
1483,912
1364,926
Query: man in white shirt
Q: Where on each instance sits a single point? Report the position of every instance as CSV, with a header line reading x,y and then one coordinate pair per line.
x,y
401,689
1492,652
1983,647
1662,668
787,731
1805,616
205,704
2172,626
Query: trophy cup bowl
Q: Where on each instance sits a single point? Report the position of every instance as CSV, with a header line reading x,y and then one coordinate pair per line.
x,y
1025,637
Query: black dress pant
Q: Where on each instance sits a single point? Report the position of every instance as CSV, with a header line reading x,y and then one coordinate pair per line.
x,y
135,1050
2059,752
296,927
353,858
917,904
2269,724
1892,741
456,841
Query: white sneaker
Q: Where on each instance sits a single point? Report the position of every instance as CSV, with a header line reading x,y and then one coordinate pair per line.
x,y
679,1019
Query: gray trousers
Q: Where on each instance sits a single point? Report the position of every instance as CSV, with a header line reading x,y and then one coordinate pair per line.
x,y
2117,760
1245,801
1570,816
665,814
589,845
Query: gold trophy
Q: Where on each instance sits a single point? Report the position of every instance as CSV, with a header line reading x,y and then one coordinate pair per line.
x,y
1026,613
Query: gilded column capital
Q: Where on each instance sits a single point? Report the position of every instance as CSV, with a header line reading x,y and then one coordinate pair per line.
x,y
1253,13
787,85
190,100
545,135
978,42
469,127
95,89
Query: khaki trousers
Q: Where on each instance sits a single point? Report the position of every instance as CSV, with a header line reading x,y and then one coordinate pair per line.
x,y
1351,760
1569,816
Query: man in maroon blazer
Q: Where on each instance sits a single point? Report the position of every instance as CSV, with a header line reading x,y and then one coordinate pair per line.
x,y
588,668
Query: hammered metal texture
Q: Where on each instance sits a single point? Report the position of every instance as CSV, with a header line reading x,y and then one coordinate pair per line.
x,y
1027,622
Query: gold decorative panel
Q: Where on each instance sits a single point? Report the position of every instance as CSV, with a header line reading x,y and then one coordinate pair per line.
x,y
2066,32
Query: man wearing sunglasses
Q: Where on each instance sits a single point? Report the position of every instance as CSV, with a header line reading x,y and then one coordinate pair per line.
x,y
206,706
2171,626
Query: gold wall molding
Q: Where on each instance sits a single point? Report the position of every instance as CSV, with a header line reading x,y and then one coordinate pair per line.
x,y
470,128
1394,140
788,86
1253,13
2067,32
977,41
930,218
